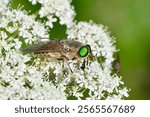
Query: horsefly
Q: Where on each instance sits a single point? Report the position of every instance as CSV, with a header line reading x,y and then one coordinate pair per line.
x,y
61,50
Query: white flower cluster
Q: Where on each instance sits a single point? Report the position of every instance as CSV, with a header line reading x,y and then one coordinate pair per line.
x,y
53,9
19,80
23,76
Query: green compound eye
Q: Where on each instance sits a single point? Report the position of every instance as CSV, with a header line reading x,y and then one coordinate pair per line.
x,y
84,50
89,48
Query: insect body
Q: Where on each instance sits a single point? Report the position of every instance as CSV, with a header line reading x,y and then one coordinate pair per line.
x,y
60,49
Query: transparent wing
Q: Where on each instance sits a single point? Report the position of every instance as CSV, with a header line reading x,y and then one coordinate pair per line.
x,y
45,46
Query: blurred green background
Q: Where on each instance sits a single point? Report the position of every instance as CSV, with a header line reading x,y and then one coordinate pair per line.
x,y
129,22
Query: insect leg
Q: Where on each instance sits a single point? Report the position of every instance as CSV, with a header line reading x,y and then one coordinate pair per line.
x,y
78,62
63,63
83,65
86,59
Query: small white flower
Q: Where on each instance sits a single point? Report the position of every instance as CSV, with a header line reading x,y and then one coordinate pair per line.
x,y
33,1
123,92
17,44
60,8
50,21
114,97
